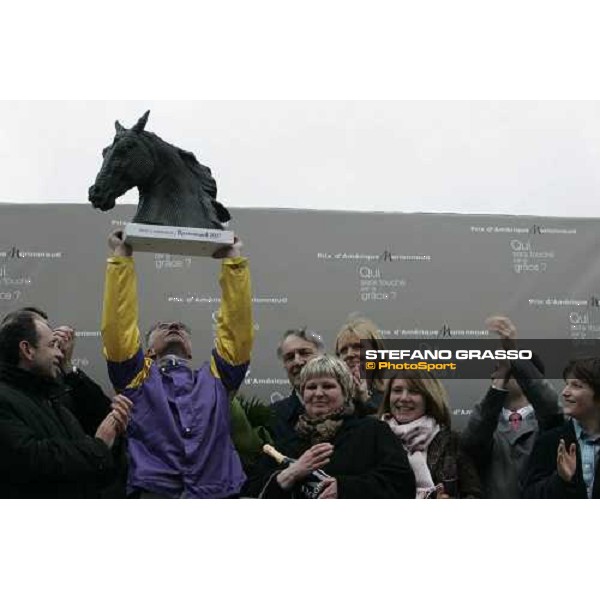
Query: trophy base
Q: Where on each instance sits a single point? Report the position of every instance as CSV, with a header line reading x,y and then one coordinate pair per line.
x,y
188,241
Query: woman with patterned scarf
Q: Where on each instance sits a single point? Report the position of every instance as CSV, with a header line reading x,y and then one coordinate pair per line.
x,y
416,410
360,457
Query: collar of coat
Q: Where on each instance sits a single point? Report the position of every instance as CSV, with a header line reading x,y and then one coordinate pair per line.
x,y
31,383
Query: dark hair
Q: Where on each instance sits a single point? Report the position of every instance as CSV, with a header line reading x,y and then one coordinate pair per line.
x,y
31,309
37,311
587,370
304,334
16,327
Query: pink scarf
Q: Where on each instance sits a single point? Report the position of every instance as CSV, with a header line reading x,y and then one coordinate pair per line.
x,y
416,437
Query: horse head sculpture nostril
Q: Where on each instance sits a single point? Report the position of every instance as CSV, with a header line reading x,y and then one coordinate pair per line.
x,y
100,199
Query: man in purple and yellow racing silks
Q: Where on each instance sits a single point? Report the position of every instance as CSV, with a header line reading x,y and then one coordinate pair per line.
x,y
178,438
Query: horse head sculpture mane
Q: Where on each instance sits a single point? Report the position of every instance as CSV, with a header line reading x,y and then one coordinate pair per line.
x,y
174,188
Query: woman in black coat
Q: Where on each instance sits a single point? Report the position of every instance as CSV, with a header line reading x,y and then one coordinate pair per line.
x,y
415,407
360,458
558,468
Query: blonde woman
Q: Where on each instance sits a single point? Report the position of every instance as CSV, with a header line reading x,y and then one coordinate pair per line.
x,y
369,388
361,457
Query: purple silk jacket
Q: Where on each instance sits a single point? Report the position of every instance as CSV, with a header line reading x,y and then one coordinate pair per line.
x,y
178,437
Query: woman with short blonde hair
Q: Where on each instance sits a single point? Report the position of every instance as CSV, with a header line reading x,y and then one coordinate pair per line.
x,y
369,389
360,458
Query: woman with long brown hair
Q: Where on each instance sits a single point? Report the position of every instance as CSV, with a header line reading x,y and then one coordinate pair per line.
x,y
415,406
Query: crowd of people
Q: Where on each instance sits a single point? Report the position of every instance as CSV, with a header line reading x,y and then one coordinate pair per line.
x,y
178,431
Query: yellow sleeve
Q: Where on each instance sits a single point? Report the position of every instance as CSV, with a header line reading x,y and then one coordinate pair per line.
x,y
235,328
120,332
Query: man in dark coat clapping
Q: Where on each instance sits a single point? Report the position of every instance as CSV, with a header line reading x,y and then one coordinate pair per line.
x,y
44,452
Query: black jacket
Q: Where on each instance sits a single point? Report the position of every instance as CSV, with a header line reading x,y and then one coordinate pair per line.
x,y
369,408
90,406
450,465
286,413
542,479
44,452
86,400
368,462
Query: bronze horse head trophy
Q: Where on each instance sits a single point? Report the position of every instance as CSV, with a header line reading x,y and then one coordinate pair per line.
x,y
174,188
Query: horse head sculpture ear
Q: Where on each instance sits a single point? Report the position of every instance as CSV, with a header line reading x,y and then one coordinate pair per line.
x,y
139,126
119,127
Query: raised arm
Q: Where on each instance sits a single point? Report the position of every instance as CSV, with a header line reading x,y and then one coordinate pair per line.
x,y
538,390
540,393
120,331
85,398
235,330
478,436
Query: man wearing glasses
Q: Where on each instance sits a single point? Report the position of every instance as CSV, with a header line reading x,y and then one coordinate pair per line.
x,y
178,440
